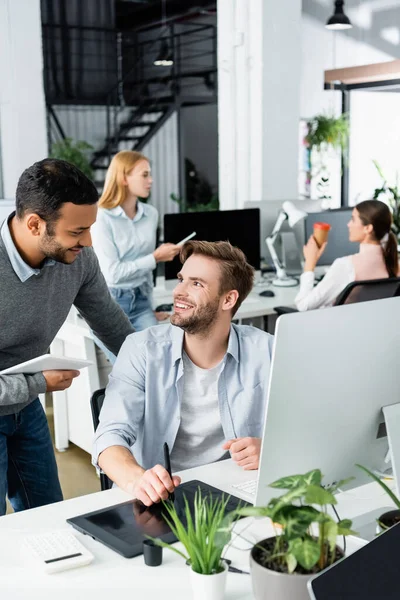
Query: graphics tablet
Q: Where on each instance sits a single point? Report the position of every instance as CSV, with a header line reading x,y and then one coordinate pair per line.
x,y
47,362
371,573
123,527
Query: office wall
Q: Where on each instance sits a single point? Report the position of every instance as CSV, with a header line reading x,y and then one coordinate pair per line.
x,y
258,111
22,105
374,124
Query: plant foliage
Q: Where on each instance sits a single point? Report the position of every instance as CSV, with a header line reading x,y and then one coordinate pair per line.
x,y
392,194
204,534
327,130
76,153
383,485
299,544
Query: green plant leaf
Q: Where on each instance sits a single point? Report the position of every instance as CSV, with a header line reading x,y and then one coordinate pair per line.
x,y
293,481
344,527
291,562
330,534
383,485
306,551
74,152
253,511
339,484
316,494
288,498
296,520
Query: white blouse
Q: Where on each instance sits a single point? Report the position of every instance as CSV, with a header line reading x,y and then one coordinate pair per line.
x,y
368,263
338,276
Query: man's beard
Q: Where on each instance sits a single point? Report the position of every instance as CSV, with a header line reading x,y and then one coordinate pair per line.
x,y
53,250
200,322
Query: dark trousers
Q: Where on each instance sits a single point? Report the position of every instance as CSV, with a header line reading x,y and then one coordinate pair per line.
x,y
28,470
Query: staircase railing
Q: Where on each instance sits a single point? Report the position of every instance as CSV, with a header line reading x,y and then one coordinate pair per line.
x,y
133,90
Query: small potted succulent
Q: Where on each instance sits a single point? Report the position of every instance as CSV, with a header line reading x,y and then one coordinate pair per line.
x,y
305,540
391,517
204,531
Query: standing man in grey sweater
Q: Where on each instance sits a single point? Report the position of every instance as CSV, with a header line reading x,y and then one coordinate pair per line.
x,y
46,266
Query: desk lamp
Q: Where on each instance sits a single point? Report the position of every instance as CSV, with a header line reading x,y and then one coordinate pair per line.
x,y
293,214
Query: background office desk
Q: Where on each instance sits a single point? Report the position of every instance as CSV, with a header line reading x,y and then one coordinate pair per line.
x,y
72,416
112,574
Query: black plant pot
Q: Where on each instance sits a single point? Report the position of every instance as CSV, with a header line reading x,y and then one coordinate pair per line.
x,y
388,519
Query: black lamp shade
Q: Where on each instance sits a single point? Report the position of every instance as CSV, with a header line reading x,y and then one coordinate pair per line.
x,y
339,20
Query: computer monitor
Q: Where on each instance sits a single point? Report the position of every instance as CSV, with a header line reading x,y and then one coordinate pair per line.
x,y
332,372
338,241
240,227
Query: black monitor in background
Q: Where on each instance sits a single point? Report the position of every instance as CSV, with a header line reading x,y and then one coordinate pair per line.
x,y
338,241
240,227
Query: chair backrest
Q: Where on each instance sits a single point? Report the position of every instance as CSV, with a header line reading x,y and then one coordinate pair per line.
x,y
96,402
372,289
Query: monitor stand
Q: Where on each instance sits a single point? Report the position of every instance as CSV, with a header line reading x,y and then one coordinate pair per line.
x,y
366,523
391,414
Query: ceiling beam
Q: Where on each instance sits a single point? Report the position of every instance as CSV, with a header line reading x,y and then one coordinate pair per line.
x,y
384,71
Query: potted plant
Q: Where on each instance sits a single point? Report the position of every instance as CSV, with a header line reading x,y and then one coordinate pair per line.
x,y
390,193
391,517
76,153
203,532
305,537
325,132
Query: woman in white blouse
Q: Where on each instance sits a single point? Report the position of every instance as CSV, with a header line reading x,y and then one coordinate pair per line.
x,y
124,237
370,225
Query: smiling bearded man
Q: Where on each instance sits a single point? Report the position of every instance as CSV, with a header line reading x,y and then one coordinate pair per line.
x,y
200,384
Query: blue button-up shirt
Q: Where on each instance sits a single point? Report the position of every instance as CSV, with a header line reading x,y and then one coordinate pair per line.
x,y
21,268
125,246
141,409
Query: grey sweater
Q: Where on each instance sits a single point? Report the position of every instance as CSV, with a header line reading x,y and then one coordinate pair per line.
x,y
32,312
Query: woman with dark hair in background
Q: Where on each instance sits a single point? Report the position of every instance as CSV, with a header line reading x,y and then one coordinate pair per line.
x,y
370,226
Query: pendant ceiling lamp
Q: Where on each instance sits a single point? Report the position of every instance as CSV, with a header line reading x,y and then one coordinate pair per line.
x,y
338,21
164,57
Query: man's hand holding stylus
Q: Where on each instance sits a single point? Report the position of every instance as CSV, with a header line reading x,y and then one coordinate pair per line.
x,y
245,452
155,485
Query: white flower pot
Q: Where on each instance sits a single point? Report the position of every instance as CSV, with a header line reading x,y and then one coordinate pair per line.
x,y
269,585
208,587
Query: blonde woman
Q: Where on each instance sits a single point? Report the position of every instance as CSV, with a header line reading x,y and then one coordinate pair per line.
x,y
124,237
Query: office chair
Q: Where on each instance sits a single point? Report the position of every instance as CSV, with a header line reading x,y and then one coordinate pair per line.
x,y
96,402
359,291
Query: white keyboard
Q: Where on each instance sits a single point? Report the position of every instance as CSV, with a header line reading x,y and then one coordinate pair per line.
x,y
56,551
249,487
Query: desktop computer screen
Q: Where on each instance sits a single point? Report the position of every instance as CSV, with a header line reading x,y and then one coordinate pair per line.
x,y
333,371
240,227
338,242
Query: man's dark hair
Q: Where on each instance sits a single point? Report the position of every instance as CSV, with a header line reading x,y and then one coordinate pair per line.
x,y
48,184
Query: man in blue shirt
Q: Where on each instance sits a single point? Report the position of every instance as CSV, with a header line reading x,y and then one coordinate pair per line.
x,y
199,384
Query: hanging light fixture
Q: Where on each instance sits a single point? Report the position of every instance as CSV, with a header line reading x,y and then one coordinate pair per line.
x,y
164,57
338,20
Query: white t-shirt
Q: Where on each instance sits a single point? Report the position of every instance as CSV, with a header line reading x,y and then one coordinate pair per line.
x,y
200,436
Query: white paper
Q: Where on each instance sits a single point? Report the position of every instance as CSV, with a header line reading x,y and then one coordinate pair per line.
x,y
47,362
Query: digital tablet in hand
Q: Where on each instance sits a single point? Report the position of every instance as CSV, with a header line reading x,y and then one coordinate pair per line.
x,y
47,362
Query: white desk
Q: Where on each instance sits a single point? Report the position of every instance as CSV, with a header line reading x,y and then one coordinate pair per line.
x,y
111,572
72,416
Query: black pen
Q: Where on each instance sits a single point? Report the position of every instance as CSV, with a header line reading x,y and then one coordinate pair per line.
x,y
167,463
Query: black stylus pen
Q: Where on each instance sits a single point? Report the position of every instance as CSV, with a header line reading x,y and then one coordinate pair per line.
x,y
167,463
